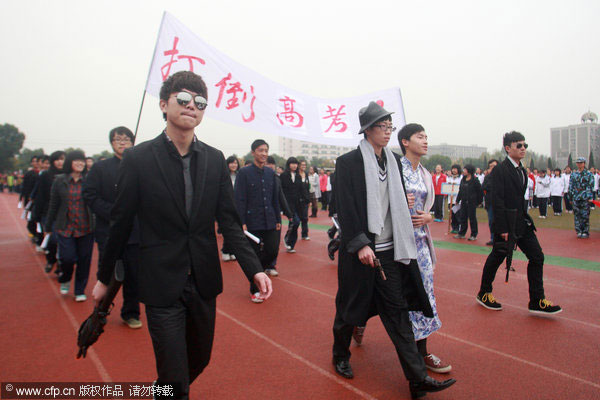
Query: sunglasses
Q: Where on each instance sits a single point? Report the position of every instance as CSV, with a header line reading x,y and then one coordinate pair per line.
x,y
184,98
519,145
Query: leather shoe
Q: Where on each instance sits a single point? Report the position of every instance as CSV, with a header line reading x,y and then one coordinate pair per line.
x,y
429,384
343,368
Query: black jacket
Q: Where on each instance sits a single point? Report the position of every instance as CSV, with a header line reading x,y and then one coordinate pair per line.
x,y
100,193
487,188
171,244
356,281
294,191
29,180
59,205
283,204
509,193
470,192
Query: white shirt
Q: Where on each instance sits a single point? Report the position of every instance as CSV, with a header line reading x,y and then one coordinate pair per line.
x,y
542,186
329,183
557,186
566,179
456,181
596,181
481,177
529,188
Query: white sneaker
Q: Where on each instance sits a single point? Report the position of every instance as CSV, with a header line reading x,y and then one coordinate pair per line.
x,y
64,288
256,298
80,297
232,257
290,250
226,257
271,272
306,238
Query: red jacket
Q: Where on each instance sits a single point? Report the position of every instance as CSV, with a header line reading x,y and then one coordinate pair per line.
x,y
441,178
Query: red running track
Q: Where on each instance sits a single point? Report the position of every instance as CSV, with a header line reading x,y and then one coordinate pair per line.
x,y
282,348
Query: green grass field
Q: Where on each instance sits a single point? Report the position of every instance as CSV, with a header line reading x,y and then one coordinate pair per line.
x,y
565,221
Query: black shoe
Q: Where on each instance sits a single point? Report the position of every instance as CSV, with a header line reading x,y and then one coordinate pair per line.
x,y
490,243
343,368
543,307
48,267
488,301
428,385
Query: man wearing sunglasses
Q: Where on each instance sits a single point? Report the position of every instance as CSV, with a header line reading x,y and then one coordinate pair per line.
x,y
178,187
509,182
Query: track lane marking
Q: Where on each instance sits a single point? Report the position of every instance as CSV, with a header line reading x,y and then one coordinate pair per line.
x,y
298,357
104,375
497,352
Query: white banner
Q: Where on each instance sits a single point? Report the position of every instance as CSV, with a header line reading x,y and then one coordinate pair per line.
x,y
240,96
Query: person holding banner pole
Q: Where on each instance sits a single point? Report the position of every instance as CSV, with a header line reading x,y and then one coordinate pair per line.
x,y
178,187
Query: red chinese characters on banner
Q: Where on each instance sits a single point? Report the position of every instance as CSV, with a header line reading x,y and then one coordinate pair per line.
x,y
165,70
336,119
290,116
235,90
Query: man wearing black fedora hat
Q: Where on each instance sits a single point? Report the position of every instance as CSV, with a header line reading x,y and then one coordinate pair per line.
x,y
377,268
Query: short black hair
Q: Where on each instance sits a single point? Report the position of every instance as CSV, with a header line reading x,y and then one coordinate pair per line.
x,y
120,130
34,158
90,158
271,160
44,158
72,156
183,80
257,143
491,161
511,137
559,171
234,159
406,132
470,168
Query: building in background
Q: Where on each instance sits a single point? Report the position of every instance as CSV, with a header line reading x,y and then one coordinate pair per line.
x,y
299,148
577,140
455,151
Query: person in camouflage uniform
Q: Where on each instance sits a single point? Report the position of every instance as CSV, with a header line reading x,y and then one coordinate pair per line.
x,y
581,185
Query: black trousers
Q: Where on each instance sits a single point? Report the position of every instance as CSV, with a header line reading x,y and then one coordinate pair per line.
x,y
557,204
392,309
269,251
568,205
543,204
182,337
468,213
438,206
131,262
455,221
535,268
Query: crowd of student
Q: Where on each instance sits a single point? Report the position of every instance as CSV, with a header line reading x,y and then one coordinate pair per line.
x,y
172,189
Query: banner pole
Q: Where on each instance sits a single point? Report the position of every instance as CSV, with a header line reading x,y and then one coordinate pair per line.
x,y
148,76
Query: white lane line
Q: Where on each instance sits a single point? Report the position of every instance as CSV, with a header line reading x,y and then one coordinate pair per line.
x,y
91,353
517,307
552,370
303,360
497,352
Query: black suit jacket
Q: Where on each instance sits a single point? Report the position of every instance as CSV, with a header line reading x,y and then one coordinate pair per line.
x,y
171,244
508,193
100,193
356,281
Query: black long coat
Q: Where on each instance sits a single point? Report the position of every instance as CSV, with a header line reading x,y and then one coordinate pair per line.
x,y
356,281
509,193
169,240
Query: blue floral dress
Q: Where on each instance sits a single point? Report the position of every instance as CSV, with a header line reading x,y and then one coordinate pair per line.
x,y
421,325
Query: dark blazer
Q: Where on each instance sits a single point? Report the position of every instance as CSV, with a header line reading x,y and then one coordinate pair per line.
x,y
487,188
356,281
59,205
293,190
29,180
470,192
283,204
509,192
169,240
100,193
258,209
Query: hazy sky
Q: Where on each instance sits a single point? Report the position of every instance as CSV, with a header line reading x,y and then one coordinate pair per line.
x,y
468,70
